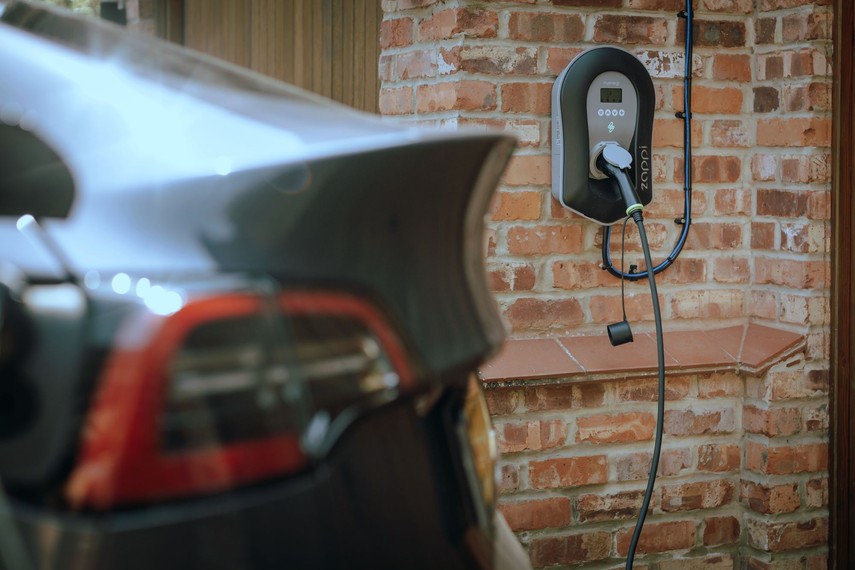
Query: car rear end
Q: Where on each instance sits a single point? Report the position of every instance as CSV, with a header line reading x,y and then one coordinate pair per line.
x,y
240,324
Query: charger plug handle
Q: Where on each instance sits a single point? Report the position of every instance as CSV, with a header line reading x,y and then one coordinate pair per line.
x,y
615,160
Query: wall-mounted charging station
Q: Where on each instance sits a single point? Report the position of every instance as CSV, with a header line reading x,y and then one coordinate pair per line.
x,y
602,114
604,97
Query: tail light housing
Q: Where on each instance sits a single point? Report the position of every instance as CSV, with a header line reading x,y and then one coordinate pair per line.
x,y
229,390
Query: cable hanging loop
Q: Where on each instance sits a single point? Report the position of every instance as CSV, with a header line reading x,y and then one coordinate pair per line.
x,y
686,220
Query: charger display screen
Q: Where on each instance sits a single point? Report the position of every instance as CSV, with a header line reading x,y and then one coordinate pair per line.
x,y
611,95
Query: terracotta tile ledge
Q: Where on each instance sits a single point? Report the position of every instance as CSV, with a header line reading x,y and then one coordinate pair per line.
x,y
750,349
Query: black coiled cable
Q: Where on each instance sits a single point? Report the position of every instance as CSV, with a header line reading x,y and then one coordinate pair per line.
x,y
686,220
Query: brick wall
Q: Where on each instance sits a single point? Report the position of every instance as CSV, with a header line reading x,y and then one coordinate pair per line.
x,y
745,470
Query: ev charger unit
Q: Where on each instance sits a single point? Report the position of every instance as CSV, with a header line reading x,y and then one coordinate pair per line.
x,y
602,104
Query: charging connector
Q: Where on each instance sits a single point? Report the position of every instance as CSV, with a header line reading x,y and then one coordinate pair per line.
x,y
615,161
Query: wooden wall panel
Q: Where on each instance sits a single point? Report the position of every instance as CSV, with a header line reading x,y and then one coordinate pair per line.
x,y
330,47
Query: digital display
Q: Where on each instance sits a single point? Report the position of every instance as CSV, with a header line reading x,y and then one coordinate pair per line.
x,y
611,95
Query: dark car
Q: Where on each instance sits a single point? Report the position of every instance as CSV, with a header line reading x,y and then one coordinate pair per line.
x,y
239,322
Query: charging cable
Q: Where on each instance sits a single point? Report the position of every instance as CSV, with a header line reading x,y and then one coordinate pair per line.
x,y
660,404
686,220
615,162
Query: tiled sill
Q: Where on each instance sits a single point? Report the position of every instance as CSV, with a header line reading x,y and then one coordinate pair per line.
x,y
750,348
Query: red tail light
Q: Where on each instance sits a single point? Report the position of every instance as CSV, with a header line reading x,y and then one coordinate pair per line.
x,y
219,394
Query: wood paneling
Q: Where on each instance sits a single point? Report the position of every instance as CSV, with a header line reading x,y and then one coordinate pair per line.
x,y
841,501
330,47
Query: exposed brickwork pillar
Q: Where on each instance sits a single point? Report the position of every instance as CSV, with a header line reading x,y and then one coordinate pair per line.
x,y
745,463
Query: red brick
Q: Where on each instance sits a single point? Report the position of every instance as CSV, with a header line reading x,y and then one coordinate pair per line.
x,y
532,435
819,97
457,95
708,562
544,315
492,59
721,530
764,30
732,6
800,237
711,169
726,236
537,514
729,133
766,99
546,27
503,401
771,5
659,537
616,29
562,397
790,272
669,132
816,417
806,169
787,459
509,479
529,169
763,304
714,33
782,203
557,58
579,275
781,536
798,132
771,66
803,63
469,22
386,68
772,422
719,457
707,304
685,270
516,206
763,235
688,422
713,100
396,101
787,385
545,239
635,466
607,308
396,33
731,269
666,5
609,507
505,277
647,389
568,472
409,4
769,499
697,495
416,64
532,98
732,202
816,493
764,167
720,386
573,549
819,205
615,428
732,67
589,3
